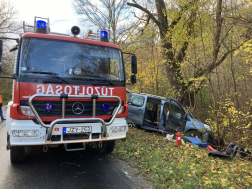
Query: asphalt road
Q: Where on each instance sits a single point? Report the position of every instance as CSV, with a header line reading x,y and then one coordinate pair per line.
x,y
60,169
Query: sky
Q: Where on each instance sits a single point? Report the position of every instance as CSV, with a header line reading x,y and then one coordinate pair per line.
x,y
61,13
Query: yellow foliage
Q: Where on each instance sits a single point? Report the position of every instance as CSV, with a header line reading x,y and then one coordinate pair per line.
x,y
231,124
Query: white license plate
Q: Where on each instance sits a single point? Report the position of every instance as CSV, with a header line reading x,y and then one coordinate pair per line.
x,y
84,129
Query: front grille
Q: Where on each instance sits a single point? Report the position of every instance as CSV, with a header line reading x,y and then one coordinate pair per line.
x,y
95,135
57,108
75,136
71,137
56,137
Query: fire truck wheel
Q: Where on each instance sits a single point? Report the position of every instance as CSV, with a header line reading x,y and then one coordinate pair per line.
x,y
17,154
110,146
107,147
102,150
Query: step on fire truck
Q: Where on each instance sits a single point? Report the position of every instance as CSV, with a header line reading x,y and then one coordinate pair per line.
x,y
67,91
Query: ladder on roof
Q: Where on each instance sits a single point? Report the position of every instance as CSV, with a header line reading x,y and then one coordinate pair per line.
x,y
96,36
92,36
28,28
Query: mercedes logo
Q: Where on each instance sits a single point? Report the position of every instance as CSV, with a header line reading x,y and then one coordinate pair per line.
x,y
77,71
77,108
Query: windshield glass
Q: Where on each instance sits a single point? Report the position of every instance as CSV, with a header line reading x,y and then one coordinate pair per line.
x,y
70,60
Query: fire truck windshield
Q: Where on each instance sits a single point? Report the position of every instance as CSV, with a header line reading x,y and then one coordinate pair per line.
x,y
70,60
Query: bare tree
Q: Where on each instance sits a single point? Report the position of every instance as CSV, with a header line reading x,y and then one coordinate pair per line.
x,y
106,14
7,18
8,25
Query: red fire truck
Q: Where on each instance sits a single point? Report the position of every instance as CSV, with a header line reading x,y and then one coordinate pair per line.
x,y
67,91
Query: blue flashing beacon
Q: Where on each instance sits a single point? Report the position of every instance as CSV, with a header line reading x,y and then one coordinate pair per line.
x,y
104,36
41,24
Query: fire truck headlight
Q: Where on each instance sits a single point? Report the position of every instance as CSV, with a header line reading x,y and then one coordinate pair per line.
x,y
26,110
119,112
118,129
25,133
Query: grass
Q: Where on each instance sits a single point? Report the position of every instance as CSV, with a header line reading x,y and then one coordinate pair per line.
x,y
168,166
5,102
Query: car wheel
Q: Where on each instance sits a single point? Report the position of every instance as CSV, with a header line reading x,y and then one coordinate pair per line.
x,y
17,154
194,133
133,125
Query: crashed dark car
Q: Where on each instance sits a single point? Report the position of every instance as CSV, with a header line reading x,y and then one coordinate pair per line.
x,y
157,113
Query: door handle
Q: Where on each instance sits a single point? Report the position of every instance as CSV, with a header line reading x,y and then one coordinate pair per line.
x,y
140,110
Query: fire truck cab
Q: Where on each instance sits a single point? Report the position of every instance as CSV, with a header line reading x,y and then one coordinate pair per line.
x,y
66,91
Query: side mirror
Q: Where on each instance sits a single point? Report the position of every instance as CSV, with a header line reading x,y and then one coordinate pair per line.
x,y
1,49
134,64
13,76
133,79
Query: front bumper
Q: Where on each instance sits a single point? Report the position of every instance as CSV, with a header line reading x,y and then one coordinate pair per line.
x,y
40,139
26,132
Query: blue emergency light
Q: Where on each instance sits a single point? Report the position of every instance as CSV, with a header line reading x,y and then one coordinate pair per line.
x,y
104,36
41,24
105,107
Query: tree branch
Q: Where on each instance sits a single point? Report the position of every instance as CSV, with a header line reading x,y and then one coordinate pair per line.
x,y
182,51
145,10
181,12
207,70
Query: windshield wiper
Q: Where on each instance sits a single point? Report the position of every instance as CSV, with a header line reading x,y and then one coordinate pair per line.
x,y
98,76
55,75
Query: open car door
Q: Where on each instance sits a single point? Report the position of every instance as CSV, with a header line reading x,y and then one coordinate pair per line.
x,y
176,118
136,109
152,112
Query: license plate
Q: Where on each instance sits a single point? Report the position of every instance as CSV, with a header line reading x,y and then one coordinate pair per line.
x,y
84,129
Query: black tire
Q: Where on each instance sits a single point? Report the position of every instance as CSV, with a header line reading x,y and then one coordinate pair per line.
x,y
194,133
110,146
231,149
133,125
17,154
107,147
102,150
